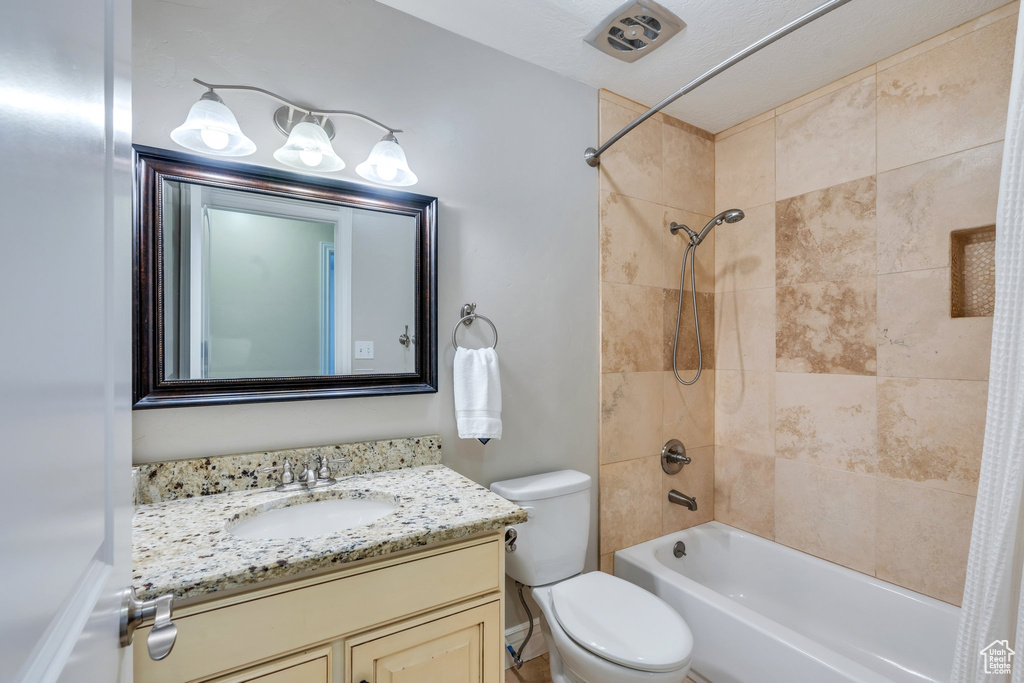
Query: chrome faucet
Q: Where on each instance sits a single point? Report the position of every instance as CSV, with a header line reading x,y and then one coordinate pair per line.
x,y
309,478
682,499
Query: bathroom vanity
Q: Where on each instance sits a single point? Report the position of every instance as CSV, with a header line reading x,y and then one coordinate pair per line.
x,y
430,615
415,595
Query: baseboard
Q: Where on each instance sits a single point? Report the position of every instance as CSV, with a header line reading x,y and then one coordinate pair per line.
x,y
517,634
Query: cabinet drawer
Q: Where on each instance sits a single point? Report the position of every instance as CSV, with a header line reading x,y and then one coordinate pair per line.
x,y
307,672
462,648
307,667
225,635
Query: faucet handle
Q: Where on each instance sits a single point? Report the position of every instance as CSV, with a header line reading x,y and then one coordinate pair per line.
x,y
325,466
673,456
287,476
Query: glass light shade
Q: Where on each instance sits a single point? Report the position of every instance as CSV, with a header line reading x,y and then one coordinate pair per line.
x,y
211,128
308,148
387,164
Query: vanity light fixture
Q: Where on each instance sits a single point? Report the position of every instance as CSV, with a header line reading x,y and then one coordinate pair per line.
x,y
211,128
308,147
387,164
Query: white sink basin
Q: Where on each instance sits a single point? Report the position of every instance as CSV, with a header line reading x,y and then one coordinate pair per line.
x,y
319,518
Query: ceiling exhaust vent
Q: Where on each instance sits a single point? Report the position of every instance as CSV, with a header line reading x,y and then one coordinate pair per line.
x,y
635,29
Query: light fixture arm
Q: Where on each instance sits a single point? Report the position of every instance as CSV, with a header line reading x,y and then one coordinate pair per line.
x,y
313,112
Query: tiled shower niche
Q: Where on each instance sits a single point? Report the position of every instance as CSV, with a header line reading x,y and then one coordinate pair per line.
x,y
973,272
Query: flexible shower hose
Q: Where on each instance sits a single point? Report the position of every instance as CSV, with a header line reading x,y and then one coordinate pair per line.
x,y
691,253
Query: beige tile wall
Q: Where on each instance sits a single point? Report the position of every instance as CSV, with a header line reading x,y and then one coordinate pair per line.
x,y
665,172
849,405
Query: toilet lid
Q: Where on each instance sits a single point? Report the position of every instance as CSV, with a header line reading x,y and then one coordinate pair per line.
x,y
622,622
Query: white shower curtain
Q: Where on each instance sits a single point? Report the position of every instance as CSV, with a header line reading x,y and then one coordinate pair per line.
x,y
993,606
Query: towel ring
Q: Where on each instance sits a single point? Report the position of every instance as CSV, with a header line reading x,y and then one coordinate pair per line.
x,y
468,319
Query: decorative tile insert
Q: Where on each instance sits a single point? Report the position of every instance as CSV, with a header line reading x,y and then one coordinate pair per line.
x,y
972,254
828,234
826,327
162,481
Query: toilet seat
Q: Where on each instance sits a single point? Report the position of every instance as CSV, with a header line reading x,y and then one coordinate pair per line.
x,y
622,623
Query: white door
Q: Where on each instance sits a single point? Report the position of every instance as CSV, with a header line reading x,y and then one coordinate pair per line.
x,y
65,338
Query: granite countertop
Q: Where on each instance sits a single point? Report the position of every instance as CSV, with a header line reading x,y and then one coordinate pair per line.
x,y
183,547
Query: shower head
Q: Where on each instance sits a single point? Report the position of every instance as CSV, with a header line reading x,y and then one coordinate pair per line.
x,y
731,216
727,216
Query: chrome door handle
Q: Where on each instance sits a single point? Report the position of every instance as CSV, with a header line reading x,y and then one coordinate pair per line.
x,y
135,612
405,339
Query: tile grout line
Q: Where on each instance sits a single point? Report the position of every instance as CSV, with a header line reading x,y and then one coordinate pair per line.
x,y
775,110
941,156
842,279
875,512
872,475
893,169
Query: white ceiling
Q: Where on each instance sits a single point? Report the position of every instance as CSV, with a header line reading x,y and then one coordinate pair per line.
x,y
550,33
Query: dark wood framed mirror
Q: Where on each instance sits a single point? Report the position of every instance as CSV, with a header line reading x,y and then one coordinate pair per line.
x,y
253,284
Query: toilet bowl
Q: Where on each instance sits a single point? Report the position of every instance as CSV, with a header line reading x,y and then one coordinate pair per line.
x,y
617,633
598,628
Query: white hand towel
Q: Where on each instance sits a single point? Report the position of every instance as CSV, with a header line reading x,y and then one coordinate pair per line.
x,y
477,394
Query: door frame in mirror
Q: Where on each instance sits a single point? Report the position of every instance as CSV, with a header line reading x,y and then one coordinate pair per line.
x,y
149,388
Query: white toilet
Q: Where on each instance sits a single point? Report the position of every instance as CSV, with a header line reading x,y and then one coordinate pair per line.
x,y
599,628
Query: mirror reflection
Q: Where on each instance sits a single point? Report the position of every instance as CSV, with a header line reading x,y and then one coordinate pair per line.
x,y
256,285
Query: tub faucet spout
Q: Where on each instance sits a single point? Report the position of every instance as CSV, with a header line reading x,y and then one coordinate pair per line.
x,y
682,499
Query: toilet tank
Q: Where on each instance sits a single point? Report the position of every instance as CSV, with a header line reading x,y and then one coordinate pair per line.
x,y
552,543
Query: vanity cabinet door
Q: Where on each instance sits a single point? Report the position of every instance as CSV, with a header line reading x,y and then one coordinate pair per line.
x,y
461,648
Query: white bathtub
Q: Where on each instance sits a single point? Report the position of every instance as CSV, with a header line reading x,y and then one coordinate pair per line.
x,y
763,613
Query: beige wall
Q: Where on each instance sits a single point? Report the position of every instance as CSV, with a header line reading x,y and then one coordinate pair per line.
x,y
516,227
850,406
663,172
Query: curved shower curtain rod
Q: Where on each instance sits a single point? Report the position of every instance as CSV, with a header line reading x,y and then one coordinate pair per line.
x,y
593,156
